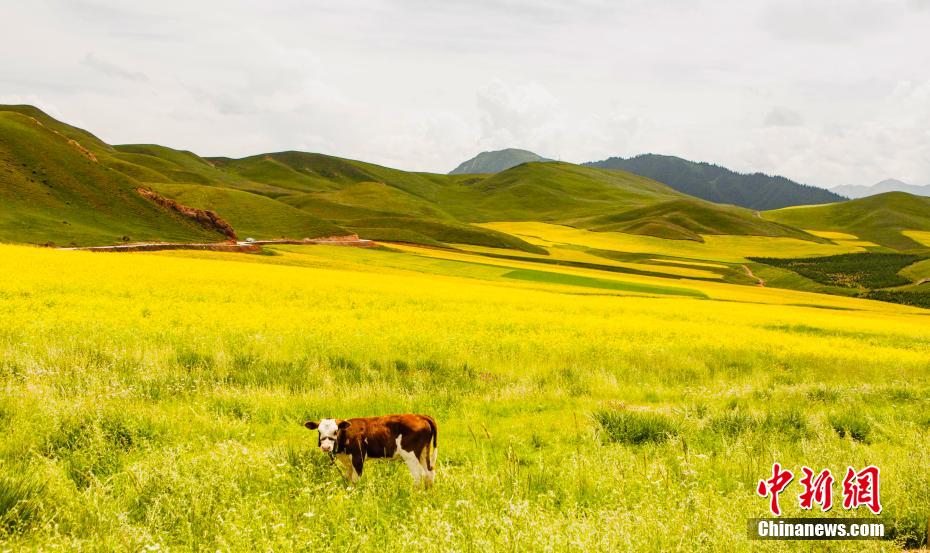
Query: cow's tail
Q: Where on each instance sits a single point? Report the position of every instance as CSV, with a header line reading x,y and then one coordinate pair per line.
x,y
431,457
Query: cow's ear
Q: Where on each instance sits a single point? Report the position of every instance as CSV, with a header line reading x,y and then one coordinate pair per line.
x,y
344,424
311,425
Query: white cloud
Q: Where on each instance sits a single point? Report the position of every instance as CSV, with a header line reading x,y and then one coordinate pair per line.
x,y
826,92
515,112
827,20
113,70
783,117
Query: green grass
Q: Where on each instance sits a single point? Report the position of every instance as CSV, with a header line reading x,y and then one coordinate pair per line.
x,y
446,231
851,423
250,214
688,219
730,274
154,163
636,428
917,272
379,197
84,138
401,235
879,219
20,494
52,191
605,284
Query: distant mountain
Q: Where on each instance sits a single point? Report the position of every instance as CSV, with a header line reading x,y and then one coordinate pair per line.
x,y
887,185
719,184
495,162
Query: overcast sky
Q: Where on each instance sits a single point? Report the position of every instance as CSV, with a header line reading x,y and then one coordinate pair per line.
x,y
824,92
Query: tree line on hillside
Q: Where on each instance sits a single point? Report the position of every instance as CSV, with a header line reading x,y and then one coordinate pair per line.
x,y
719,184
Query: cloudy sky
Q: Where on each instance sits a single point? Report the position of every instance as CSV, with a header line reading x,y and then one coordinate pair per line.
x,y
825,92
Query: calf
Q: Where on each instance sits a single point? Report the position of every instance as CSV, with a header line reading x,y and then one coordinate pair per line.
x,y
408,437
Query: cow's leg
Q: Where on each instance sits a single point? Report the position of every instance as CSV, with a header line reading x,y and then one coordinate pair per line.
x,y
413,463
347,468
416,471
429,473
358,462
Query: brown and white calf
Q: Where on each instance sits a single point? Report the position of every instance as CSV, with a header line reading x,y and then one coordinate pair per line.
x,y
408,437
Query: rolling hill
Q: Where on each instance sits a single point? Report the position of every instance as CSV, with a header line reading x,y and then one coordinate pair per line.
x,y
55,189
252,215
881,219
389,204
688,219
299,194
378,202
496,161
720,185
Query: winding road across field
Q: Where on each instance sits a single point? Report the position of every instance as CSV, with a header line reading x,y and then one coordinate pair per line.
x,y
759,281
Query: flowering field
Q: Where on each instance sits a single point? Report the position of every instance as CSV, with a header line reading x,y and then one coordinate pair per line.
x,y
155,400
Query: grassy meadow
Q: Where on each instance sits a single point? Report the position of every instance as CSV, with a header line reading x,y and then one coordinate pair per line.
x,y
155,400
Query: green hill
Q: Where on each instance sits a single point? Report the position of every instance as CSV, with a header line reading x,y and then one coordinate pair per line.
x,y
719,184
879,219
496,161
296,172
298,194
604,200
354,193
250,214
688,219
53,188
82,137
554,191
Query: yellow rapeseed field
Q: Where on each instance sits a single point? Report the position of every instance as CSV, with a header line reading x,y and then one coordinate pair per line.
x,y
715,247
155,400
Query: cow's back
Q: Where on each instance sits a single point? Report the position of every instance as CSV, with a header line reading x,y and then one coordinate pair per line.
x,y
378,435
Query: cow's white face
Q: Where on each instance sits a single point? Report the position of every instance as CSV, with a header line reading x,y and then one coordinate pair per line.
x,y
329,432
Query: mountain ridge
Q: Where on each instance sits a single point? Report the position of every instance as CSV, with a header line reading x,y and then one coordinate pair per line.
x,y
495,161
295,195
720,185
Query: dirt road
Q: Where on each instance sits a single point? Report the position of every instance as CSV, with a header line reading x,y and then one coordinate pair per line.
x,y
759,281
248,246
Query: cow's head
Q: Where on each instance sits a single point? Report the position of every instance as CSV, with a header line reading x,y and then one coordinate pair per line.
x,y
329,432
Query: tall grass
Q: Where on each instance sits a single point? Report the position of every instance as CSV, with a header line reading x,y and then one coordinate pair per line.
x,y
161,407
635,428
20,500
